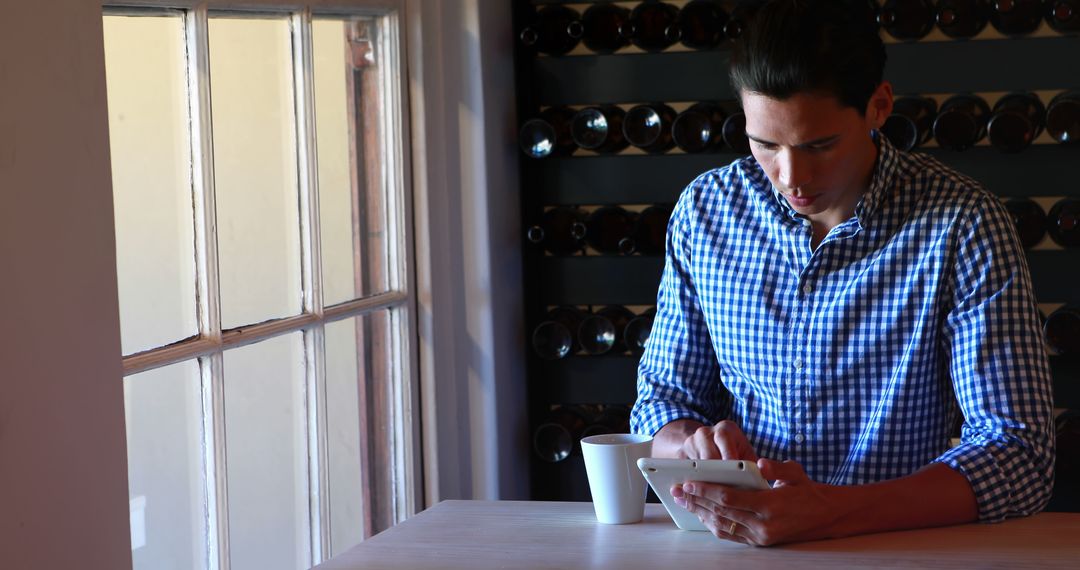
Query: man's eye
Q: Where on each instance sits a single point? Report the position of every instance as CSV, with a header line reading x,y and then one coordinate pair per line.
x,y
765,146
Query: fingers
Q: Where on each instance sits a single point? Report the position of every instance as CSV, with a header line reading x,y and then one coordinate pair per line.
x,y
700,445
724,498
730,440
720,522
724,440
786,472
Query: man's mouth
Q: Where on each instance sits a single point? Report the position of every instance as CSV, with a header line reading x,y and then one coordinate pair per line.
x,y
800,201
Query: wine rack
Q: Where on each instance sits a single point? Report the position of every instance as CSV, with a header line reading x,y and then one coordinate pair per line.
x,y
990,65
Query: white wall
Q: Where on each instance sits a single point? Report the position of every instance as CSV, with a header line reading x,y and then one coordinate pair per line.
x,y
468,249
63,478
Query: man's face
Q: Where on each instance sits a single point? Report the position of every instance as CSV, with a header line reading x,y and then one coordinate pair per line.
x,y
815,151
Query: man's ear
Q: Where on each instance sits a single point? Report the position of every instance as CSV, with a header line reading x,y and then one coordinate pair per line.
x,y
880,106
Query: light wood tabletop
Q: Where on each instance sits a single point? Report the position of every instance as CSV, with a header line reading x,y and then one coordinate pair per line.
x,y
541,535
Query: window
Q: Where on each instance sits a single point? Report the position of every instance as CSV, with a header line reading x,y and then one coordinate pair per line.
x,y
263,252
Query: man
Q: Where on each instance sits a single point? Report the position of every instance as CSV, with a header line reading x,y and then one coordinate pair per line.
x,y
831,305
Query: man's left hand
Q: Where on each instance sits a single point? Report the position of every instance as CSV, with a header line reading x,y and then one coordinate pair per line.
x,y
795,509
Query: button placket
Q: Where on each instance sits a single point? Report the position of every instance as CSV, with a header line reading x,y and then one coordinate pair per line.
x,y
801,362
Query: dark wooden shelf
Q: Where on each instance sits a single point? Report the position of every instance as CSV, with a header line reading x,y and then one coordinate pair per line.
x,y
1012,64
633,280
1066,371
1040,170
1055,274
588,380
600,280
613,380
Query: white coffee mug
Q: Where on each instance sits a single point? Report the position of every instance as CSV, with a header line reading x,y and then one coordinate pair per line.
x,y
617,486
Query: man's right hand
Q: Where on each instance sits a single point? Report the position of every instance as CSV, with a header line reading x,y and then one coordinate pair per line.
x,y
722,441
687,439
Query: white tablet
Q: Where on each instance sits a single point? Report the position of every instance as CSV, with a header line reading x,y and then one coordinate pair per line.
x,y
663,473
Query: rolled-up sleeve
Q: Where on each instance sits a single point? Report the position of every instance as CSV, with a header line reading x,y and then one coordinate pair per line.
x,y
678,375
999,370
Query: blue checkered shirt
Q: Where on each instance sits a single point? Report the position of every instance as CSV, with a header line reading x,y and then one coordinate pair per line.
x,y
854,359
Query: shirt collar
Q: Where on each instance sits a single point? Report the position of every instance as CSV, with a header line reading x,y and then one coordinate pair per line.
x,y
883,179
885,171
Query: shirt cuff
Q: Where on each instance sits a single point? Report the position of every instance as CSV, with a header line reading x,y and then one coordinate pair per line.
x,y
993,491
649,416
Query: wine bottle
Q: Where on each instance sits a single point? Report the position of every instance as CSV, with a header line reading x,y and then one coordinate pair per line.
x,y
602,22
1017,17
962,18
1016,121
554,30
556,336
650,232
911,122
1062,331
739,18
961,122
1064,16
610,229
599,129
603,330
734,133
698,128
1029,219
701,24
653,26
610,419
907,19
1064,224
1063,117
870,11
648,127
559,433
637,331
560,231
548,134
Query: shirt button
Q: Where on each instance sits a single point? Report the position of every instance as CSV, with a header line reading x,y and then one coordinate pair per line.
x,y
808,288
798,364
799,438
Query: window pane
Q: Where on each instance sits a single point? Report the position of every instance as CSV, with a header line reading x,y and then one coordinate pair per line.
x,y
267,455
166,481
255,169
352,157
151,170
360,373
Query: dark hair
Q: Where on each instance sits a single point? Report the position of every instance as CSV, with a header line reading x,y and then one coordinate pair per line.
x,y
797,46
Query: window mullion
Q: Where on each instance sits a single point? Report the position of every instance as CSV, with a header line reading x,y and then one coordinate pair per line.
x,y
206,254
202,164
388,54
406,444
318,444
213,390
314,338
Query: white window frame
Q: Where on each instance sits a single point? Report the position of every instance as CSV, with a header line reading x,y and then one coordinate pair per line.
x,y
212,341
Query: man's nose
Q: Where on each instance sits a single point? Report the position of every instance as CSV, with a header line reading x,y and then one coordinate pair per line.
x,y
794,169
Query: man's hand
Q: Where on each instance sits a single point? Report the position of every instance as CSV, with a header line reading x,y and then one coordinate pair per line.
x,y
688,439
795,509
798,509
722,441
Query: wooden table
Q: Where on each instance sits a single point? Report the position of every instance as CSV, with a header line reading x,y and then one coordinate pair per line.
x,y
540,535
